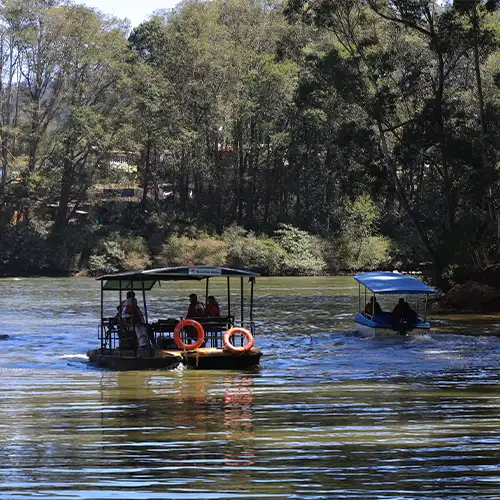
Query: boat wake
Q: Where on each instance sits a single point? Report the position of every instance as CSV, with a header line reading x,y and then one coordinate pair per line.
x,y
74,357
421,338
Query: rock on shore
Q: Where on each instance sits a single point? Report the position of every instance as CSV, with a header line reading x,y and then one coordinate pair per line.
x,y
481,294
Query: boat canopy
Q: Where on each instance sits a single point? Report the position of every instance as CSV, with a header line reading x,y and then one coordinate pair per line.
x,y
146,279
393,283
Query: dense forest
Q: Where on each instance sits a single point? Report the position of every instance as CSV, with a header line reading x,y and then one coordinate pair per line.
x,y
311,137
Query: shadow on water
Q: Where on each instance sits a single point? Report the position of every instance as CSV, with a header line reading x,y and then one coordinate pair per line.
x,y
329,414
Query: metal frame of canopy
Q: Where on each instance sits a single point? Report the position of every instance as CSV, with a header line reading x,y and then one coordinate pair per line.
x,y
387,283
145,280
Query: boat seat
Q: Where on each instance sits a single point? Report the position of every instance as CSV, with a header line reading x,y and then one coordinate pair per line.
x,y
214,327
165,325
384,317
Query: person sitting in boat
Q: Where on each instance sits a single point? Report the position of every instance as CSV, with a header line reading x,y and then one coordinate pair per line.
x,y
373,307
403,316
410,314
130,309
195,309
212,310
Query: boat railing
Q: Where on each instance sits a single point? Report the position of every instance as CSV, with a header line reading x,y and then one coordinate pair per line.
x,y
120,333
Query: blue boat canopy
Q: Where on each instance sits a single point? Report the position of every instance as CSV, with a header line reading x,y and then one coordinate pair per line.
x,y
394,283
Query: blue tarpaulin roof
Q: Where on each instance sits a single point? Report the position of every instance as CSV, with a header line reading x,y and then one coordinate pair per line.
x,y
393,283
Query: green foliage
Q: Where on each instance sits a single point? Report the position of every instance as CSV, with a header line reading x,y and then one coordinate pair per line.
x,y
361,218
23,250
467,250
359,246
115,253
303,254
259,253
359,254
366,134
185,251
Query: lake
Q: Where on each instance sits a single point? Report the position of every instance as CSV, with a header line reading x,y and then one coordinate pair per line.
x,y
328,415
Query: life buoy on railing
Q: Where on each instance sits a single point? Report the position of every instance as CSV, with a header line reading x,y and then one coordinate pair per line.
x,y
200,332
233,331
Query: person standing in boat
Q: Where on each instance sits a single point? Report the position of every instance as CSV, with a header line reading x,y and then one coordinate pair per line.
x,y
130,308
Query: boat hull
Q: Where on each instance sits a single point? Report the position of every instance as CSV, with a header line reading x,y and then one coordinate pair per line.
x,y
381,331
369,328
203,358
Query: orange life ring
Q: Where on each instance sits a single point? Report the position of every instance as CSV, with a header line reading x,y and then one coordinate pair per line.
x,y
199,331
233,331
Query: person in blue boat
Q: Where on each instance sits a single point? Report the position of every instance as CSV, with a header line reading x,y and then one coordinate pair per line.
x,y
373,307
403,316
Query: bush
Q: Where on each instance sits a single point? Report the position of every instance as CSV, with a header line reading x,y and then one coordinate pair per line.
x,y
303,251
359,246
115,253
23,250
354,254
66,249
469,248
184,251
259,253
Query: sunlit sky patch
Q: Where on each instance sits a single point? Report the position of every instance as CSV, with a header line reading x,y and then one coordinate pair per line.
x,y
134,11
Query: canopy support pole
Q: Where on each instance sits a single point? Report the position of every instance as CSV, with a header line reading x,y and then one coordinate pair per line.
x,y
102,317
252,282
359,297
206,293
241,292
228,298
144,300
133,308
425,309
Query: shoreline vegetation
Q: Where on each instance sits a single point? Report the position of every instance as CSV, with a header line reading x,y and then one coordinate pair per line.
x,y
296,138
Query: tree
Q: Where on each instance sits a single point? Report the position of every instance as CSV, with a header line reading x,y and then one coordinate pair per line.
x,y
405,64
93,65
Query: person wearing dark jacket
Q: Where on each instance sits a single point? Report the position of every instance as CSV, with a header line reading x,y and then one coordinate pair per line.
x,y
403,316
373,307
195,309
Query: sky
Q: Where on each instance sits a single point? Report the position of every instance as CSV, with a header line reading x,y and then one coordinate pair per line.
x,y
135,10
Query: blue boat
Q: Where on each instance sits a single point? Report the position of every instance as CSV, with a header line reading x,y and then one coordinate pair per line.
x,y
371,320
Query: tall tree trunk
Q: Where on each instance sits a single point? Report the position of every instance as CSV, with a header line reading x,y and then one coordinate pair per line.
x,y
66,184
393,174
241,171
34,139
480,103
145,175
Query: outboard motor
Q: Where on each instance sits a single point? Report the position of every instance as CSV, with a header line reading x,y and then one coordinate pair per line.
x,y
401,325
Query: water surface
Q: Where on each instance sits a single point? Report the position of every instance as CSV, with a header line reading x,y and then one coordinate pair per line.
x,y
329,414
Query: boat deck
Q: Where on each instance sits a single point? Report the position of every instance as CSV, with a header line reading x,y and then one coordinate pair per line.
x,y
202,358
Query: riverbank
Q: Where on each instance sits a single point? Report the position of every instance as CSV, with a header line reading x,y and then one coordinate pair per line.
x,y
32,250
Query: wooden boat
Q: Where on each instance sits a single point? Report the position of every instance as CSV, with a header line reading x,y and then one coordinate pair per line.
x,y
220,342
372,321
